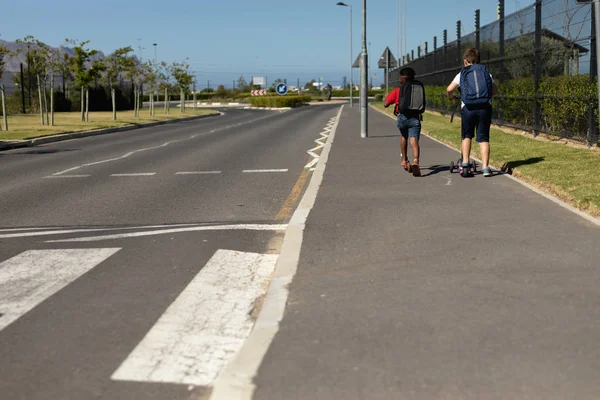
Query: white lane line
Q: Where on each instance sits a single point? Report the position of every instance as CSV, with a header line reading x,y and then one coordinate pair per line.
x,y
236,380
205,326
129,154
198,172
55,231
31,277
250,227
68,176
136,174
250,171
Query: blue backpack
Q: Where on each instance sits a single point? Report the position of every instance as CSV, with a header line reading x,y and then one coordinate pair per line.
x,y
475,85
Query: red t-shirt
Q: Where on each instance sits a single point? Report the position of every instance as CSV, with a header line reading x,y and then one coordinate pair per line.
x,y
393,97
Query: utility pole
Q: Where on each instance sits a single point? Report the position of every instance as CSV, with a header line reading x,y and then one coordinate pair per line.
x,y
364,88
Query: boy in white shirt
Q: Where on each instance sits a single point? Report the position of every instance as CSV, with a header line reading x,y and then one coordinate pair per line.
x,y
477,88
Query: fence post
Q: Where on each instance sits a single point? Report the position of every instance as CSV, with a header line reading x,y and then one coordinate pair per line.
x,y
538,68
501,39
445,38
434,55
592,127
459,55
477,29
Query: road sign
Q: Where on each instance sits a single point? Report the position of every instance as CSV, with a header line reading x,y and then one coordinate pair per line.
x,y
259,80
387,60
261,92
282,89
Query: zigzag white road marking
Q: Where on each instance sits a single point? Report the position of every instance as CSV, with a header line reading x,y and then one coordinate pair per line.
x,y
321,143
204,328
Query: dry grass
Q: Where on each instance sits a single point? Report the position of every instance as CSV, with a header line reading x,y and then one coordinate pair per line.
x,y
29,126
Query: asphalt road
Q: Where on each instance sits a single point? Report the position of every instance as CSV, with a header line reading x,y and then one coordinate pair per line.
x,y
106,240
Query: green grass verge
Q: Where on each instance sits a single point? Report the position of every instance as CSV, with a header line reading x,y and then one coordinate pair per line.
x,y
22,127
567,172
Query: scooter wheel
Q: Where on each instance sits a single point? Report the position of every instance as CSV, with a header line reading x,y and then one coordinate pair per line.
x,y
452,166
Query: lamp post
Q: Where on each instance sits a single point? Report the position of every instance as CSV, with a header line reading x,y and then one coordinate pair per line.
x,y
351,59
364,85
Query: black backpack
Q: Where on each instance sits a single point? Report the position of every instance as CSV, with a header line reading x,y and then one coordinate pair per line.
x,y
412,98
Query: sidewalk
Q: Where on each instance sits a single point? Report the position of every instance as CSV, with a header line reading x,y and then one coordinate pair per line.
x,y
437,287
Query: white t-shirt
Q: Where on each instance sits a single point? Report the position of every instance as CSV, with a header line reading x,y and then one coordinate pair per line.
x,y
457,81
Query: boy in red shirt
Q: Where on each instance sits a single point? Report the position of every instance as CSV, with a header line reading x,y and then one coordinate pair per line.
x,y
409,124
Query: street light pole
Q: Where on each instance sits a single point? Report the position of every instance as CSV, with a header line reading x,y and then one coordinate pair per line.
x,y
351,59
596,6
364,88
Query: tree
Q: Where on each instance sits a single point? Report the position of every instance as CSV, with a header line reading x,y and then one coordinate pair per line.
x,y
4,53
521,54
275,83
38,65
151,77
86,72
242,84
164,83
115,64
183,79
134,72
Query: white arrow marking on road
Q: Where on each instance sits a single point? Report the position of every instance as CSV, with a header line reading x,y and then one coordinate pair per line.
x,y
250,227
31,277
205,326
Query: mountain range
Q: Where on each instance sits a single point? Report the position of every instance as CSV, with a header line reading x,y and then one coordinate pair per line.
x,y
13,62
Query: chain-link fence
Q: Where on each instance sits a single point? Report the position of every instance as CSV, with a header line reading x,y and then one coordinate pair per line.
x,y
543,58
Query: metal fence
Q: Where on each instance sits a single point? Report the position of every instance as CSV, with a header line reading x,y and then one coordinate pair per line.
x,y
543,57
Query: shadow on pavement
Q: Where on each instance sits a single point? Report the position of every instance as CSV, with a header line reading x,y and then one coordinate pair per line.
x,y
509,166
435,169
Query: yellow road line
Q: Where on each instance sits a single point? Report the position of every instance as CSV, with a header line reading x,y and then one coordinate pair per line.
x,y
290,203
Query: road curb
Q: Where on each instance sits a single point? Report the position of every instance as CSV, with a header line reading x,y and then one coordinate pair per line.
x,y
95,132
235,382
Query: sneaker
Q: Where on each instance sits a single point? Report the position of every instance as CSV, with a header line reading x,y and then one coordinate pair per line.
x,y
487,172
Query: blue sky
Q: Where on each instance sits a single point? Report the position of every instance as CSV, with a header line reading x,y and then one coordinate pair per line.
x,y
224,39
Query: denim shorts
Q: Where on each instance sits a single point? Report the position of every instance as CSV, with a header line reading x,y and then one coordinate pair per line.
x,y
409,127
480,118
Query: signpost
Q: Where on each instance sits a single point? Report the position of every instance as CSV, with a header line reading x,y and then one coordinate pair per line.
x,y
261,92
282,89
387,61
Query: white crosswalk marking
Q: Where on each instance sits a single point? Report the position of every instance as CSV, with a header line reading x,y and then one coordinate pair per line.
x,y
205,326
31,277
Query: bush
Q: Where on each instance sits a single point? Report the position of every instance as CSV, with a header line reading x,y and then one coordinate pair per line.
x,y
279,101
379,97
564,103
